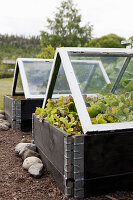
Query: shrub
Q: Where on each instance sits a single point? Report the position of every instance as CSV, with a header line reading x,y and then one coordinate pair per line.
x,y
6,75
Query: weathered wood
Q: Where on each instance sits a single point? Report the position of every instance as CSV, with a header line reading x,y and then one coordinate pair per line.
x,y
9,108
91,164
19,111
55,152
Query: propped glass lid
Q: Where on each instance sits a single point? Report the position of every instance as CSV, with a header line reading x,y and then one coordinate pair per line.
x,y
32,75
98,72
37,73
61,84
91,74
124,81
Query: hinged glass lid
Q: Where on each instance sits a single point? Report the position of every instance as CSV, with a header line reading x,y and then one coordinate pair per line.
x,y
91,74
31,75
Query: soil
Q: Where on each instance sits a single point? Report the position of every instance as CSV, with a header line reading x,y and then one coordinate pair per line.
x,y
17,184
16,97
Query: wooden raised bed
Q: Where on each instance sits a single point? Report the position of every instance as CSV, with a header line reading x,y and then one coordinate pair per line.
x,y
88,164
19,111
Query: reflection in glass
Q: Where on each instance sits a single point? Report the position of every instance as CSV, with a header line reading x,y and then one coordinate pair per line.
x,y
90,68
61,84
89,76
19,87
126,82
104,107
37,73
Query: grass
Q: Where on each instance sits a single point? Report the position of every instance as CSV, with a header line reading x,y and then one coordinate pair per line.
x,y
5,88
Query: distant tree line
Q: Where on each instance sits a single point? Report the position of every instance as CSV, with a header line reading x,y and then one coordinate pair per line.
x,y
19,41
13,46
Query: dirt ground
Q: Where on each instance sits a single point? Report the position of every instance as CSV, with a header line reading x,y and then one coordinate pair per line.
x,y
17,184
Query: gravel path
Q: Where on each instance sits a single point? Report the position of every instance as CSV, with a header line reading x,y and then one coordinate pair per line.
x,y
17,184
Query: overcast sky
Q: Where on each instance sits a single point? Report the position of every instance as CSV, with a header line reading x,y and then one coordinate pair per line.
x,y
29,17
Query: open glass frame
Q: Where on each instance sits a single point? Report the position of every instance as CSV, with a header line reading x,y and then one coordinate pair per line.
x,y
31,77
108,68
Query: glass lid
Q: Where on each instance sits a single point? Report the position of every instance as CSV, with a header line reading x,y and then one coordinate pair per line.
x,y
34,74
100,81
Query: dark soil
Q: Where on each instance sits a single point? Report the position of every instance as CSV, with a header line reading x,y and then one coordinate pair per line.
x,y
17,184
16,97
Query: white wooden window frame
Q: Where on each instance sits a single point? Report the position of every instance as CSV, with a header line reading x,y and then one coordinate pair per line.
x,y
98,62
84,117
19,67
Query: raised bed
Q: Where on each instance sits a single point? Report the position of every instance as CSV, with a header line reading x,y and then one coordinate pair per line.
x,y
100,159
28,91
88,164
19,111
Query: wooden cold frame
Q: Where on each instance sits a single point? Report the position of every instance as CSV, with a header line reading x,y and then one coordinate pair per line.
x,y
62,56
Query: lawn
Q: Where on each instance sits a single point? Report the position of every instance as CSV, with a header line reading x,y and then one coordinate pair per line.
x,y
5,88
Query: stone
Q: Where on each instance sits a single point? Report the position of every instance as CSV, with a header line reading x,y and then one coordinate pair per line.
x,y
2,112
36,170
25,153
6,123
3,127
2,116
20,146
28,162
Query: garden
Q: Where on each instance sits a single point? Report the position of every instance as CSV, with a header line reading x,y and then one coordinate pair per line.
x,y
83,124
66,117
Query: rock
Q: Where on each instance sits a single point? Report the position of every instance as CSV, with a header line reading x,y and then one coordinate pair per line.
x,y
25,153
19,147
2,121
36,170
3,127
30,161
4,124
2,116
2,112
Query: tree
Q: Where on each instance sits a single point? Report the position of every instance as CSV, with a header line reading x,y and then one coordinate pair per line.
x,y
131,38
107,41
47,53
65,28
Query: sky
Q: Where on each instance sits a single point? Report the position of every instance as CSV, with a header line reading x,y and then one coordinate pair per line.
x,y
29,17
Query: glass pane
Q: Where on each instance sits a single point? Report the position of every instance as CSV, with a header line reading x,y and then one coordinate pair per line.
x,y
126,83
90,76
19,86
110,108
112,66
61,85
104,107
37,73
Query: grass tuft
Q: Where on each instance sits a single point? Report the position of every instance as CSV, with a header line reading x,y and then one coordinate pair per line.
x,y
5,88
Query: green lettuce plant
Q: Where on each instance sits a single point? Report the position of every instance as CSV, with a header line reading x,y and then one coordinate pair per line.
x,y
102,109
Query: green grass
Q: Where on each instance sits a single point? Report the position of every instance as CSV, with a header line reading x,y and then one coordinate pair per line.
x,y
5,88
